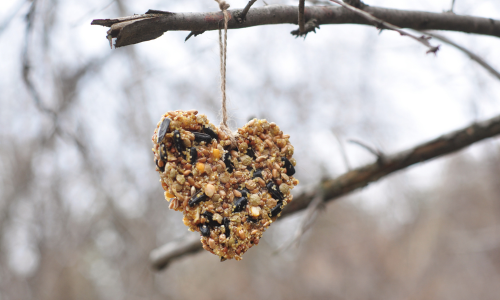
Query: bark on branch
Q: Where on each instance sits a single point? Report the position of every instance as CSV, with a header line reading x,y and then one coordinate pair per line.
x,y
140,28
355,179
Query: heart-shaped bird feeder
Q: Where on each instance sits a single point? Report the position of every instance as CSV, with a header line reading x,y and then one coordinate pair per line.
x,y
228,195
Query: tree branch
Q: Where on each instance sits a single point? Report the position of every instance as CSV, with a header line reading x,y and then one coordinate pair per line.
x,y
381,24
357,178
241,17
141,28
472,56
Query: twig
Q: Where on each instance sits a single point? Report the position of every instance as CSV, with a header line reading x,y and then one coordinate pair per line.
x,y
164,254
141,28
195,33
301,16
310,26
424,40
472,56
306,221
361,177
376,152
452,6
342,151
241,17
11,15
26,65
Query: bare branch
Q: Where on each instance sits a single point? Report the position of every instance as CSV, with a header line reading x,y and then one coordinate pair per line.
x,y
342,151
301,16
381,24
307,220
241,17
452,6
360,177
193,33
141,28
310,26
472,56
376,152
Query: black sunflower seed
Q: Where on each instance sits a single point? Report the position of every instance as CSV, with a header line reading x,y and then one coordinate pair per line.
x,y
163,153
251,153
202,137
290,170
240,204
197,198
210,132
205,231
210,218
257,173
227,232
277,209
228,162
162,169
163,129
179,144
194,155
250,219
274,191
245,192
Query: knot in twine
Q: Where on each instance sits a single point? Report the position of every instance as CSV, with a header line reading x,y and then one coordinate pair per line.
x,y
223,5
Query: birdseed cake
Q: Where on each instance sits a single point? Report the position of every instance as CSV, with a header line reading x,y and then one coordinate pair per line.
x,y
229,195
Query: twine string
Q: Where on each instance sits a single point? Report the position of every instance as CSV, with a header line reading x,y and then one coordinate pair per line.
x,y
223,5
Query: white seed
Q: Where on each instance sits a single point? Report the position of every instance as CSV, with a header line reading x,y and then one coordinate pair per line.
x,y
218,218
255,211
209,190
284,188
180,179
254,200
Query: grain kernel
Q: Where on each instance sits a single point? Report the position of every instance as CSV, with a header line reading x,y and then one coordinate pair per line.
x,y
211,243
269,143
237,193
208,169
180,179
224,177
250,184
246,160
284,188
254,200
241,234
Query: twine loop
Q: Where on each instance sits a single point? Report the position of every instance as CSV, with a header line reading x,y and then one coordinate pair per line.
x,y
223,5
